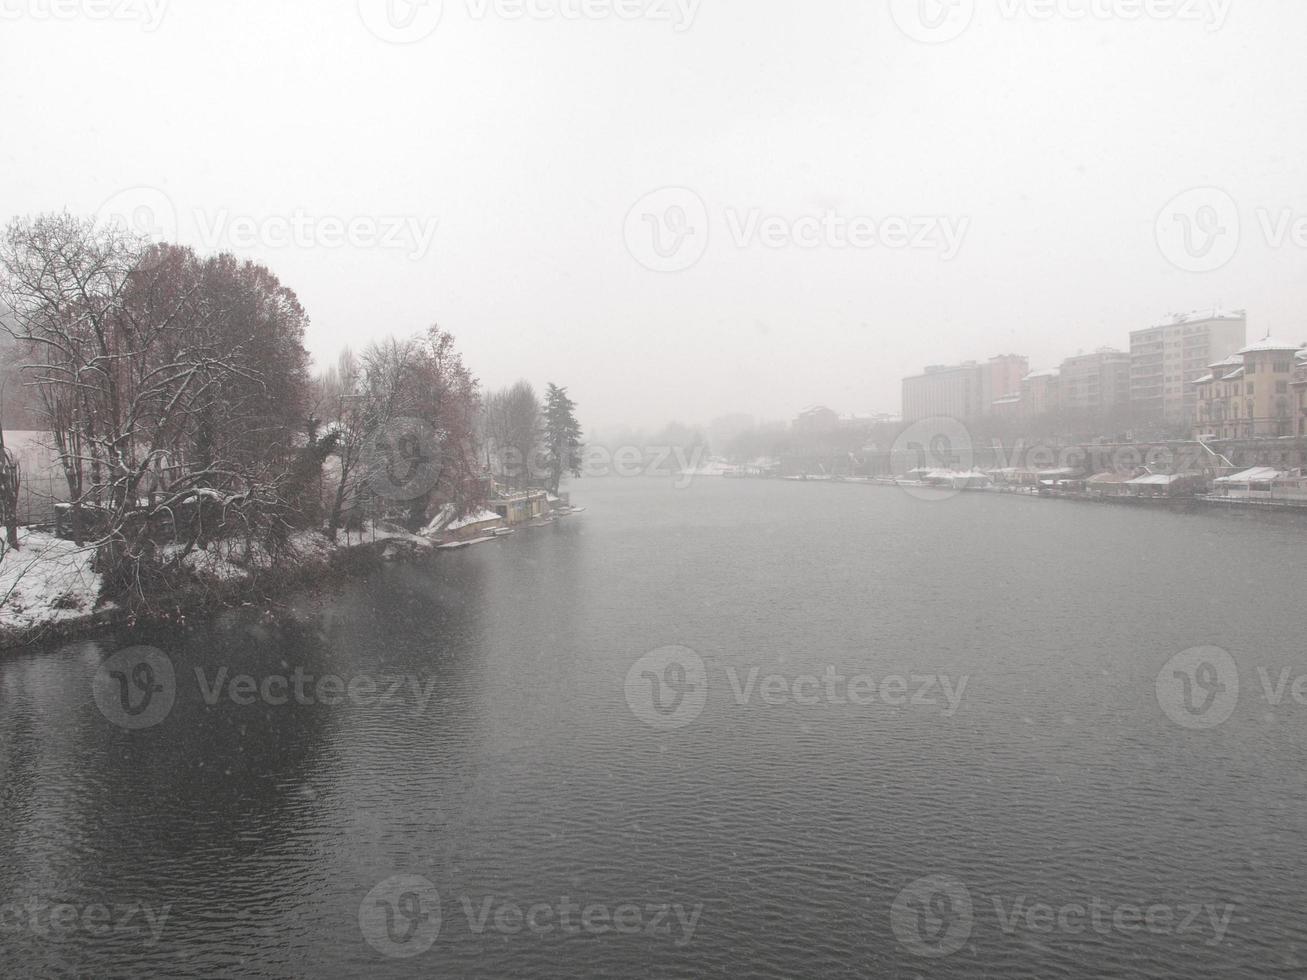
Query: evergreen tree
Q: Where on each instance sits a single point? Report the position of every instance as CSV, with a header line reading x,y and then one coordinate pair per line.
x,y
562,436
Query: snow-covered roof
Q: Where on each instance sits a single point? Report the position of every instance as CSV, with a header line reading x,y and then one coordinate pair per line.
x,y
1202,316
1234,360
1268,344
1008,400
1158,479
1258,474
1205,378
1234,375
1050,373
478,518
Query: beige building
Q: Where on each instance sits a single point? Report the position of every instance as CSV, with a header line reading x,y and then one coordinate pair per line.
x,y
1096,384
1250,394
963,391
1041,393
1166,360
1299,388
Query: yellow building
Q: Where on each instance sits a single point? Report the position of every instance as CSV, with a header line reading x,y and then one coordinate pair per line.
x,y
1249,395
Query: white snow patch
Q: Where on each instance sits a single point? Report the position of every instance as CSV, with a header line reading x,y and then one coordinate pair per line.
x,y
47,580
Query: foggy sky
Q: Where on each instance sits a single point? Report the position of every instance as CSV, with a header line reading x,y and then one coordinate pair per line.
x,y
1054,142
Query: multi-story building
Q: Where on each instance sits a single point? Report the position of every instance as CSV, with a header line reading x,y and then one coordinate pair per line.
x,y
1299,387
1096,384
816,419
1041,393
963,391
1250,394
1001,379
1166,360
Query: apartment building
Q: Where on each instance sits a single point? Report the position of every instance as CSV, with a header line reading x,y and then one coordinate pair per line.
x,y
1096,384
1166,360
1041,393
963,391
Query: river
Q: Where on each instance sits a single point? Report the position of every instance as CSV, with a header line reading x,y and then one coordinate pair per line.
x,y
760,729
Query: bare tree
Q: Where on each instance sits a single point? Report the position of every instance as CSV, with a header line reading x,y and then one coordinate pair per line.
x,y
513,428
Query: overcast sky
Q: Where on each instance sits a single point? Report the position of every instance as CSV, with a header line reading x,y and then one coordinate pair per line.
x,y
861,187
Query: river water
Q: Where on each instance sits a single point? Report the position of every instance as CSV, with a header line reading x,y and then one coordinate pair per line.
x,y
760,729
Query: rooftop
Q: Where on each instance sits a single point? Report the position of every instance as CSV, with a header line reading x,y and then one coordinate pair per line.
x,y
1269,344
1202,316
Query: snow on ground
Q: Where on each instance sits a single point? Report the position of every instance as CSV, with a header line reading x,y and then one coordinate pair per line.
x,y
47,580
380,532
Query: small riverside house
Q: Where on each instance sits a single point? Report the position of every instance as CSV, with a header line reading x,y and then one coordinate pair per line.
x,y
520,507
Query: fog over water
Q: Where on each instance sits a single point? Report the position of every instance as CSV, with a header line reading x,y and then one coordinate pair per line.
x,y
1049,136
